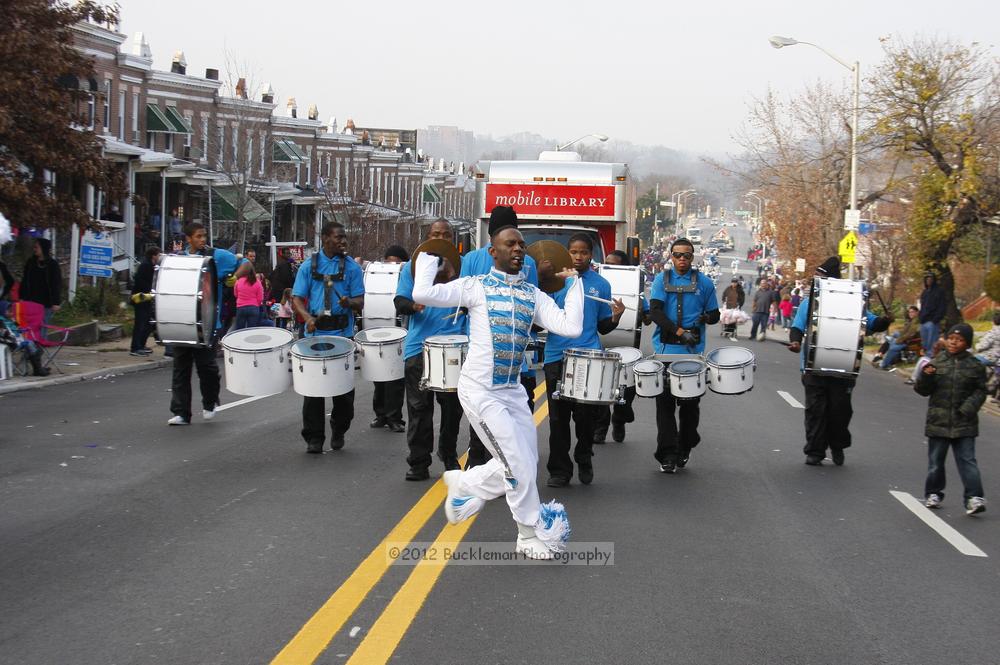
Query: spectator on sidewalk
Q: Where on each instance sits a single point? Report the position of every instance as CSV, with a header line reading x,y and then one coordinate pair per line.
x,y
284,315
283,275
989,346
932,310
761,309
896,343
6,282
249,294
142,303
41,281
956,384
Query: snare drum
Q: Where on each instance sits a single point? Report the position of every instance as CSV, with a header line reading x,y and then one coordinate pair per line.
x,y
257,361
648,377
688,378
836,329
444,356
381,353
323,366
731,370
590,376
381,280
629,357
184,298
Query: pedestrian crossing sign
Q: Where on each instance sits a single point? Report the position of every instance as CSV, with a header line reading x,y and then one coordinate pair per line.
x,y
847,247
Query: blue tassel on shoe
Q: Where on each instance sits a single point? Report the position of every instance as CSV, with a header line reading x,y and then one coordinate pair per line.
x,y
553,526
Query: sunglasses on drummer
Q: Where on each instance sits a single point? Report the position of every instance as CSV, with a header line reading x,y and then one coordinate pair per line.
x,y
683,255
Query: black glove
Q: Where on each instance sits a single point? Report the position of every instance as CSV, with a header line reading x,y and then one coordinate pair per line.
x,y
688,338
702,318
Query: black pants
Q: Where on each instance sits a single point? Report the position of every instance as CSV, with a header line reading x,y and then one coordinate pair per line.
x,y
143,325
203,359
560,411
387,399
619,414
674,440
313,428
477,451
420,418
828,413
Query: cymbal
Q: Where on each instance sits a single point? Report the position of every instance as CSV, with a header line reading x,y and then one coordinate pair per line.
x,y
442,248
558,255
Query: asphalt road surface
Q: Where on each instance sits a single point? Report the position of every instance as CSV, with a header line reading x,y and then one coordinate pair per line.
x,y
125,541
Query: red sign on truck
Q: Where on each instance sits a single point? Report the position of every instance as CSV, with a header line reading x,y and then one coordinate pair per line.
x,y
561,200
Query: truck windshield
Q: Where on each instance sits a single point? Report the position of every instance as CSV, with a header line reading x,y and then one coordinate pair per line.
x,y
562,236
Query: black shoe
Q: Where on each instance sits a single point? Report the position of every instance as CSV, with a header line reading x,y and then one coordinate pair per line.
x,y
683,461
557,481
814,460
837,454
600,437
397,427
618,432
314,447
668,467
451,464
378,422
336,442
586,473
417,474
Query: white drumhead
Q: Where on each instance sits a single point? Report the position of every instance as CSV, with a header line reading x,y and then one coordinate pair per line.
x,y
648,367
447,340
628,354
257,339
384,335
730,356
686,367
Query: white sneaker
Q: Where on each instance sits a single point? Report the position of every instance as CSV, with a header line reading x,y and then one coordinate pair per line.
x,y
207,415
178,420
976,504
933,501
459,508
533,548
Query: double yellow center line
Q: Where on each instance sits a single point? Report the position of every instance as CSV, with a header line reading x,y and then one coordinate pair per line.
x,y
389,629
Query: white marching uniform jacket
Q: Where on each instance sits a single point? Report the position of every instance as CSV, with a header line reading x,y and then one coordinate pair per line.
x,y
502,309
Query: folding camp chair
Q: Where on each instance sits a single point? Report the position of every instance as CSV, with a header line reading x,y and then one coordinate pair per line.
x,y
30,318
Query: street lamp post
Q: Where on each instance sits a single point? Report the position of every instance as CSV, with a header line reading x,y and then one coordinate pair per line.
x,y
675,198
781,42
760,205
600,137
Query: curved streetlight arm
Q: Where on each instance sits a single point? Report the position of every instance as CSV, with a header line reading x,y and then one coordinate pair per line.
x,y
599,137
842,62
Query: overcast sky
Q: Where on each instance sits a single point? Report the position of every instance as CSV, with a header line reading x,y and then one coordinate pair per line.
x,y
677,74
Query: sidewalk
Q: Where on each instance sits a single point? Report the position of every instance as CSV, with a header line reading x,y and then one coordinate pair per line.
x,y
80,363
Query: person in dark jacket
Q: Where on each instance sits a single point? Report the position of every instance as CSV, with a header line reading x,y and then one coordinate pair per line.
x,y
956,384
761,308
41,281
142,301
932,311
7,282
283,276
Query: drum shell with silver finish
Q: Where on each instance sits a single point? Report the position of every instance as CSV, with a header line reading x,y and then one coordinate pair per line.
x,y
688,378
381,280
836,327
649,378
443,357
257,361
323,366
589,376
184,289
380,352
731,370
629,357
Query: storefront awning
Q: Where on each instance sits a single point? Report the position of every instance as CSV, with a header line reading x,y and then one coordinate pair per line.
x,y
224,203
431,194
287,152
156,120
180,123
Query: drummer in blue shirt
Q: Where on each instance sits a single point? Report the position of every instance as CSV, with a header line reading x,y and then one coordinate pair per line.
x,y
681,302
426,322
598,319
334,284
479,262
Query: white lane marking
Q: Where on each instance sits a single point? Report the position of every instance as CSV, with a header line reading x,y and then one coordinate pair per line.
x,y
945,530
791,400
241,402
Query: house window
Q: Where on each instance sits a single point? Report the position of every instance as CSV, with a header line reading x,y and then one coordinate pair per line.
x,y
121,115
151,140
168,142
135,117
220,132
204,138
236,148
187,137
263,151
309,165
90,111
107,104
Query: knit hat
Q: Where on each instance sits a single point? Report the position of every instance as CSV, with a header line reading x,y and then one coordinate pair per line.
x,y
501,217
397,251
963,329
830,267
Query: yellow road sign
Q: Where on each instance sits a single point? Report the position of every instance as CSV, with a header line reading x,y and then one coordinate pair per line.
x,y
848,244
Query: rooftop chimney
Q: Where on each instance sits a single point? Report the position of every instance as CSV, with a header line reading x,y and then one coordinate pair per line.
x,y
179,63
241,89
349,127
293,108
212,74
267,94
313,112
140,46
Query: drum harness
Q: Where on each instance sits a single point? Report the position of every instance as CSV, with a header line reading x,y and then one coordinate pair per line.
x,y
680,290
326,320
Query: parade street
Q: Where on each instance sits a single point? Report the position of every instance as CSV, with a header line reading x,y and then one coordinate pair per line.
x,y
125,541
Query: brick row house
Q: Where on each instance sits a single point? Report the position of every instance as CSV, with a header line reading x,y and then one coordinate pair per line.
x,y
194,147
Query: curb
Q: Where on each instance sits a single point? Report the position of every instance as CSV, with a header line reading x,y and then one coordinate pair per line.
x,y
74,378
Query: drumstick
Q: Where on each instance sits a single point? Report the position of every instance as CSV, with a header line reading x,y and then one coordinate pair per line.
x,y
609,302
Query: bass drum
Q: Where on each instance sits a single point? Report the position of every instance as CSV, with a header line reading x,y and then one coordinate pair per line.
x,y
627,283
381,280
835,333
323,366
257,361
184,290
